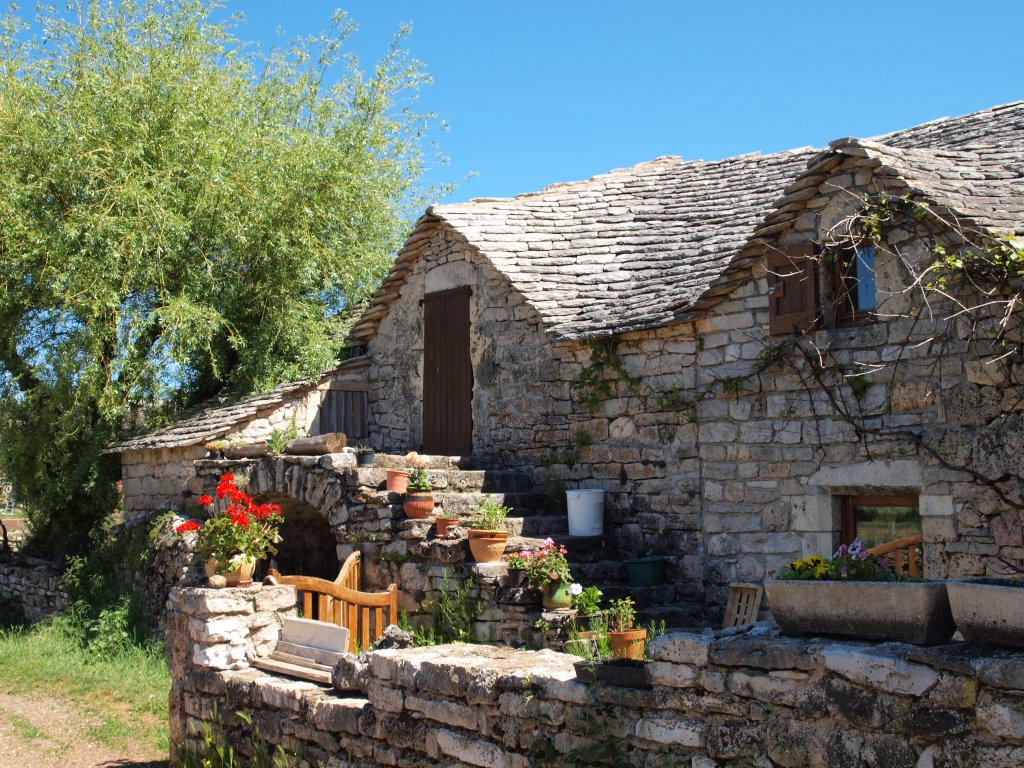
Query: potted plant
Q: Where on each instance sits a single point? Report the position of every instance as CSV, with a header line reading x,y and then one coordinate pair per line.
x,y
236,534
215,448
854,595
626,639
599,663
487,536
517,563
419,500
443,525
587,604
548,570
364,456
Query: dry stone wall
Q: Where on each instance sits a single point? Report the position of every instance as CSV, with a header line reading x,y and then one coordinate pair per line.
x,y
750,698
33,587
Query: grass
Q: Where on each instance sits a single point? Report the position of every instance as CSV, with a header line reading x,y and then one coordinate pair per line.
x,y
25,730
126,693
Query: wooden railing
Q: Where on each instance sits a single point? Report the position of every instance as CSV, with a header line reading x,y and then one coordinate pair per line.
x,y
904,556
366,614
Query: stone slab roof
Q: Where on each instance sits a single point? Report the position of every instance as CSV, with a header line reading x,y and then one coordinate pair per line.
x,y
212,420
651,245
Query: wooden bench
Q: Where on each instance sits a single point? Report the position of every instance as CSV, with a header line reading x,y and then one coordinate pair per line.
x,y
340,602
903,557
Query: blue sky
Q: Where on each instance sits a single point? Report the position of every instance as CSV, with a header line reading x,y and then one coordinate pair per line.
x,y
541,92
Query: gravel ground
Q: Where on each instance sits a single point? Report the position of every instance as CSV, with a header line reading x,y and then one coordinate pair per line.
x,y
43,732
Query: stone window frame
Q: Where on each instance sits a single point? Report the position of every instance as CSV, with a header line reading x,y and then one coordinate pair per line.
x,y
816,516
845,311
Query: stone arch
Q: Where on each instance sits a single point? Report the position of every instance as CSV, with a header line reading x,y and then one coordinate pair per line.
x,y
308,546
312,499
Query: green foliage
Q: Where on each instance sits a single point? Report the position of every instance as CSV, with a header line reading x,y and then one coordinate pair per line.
x,y
490,515
582,439
587,602
453,614
107,609
858,385
596,382
184,216
127,692
621,615
419,482
218,752
279,438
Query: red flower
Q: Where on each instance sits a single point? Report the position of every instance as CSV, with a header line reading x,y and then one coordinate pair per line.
x,y
205,500
188,525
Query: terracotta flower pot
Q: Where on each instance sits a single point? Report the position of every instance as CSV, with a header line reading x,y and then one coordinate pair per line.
x,y
628,645
555,596
487,546
239,577
418,505
398,481
443,523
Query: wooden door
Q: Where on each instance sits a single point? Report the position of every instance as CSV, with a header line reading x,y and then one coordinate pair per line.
x,y
447,374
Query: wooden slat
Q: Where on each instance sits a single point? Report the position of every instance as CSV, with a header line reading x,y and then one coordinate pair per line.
x,y
902,555
307,603
269,664
744,603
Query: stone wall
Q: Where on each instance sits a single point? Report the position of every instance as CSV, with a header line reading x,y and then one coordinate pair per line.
x,y
33,587
359,515
520,393
731,466
729,699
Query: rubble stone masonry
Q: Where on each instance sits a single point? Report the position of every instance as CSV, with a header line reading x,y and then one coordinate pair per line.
x,y
718,699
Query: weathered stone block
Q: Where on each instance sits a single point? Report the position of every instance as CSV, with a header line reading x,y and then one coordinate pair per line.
x,y
887,673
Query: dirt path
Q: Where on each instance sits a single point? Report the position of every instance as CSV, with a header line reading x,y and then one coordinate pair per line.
x,y
42,732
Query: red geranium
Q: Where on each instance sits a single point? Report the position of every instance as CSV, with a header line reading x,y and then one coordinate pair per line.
x,y
240,530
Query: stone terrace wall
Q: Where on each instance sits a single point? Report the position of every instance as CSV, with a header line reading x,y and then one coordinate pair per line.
x,y
33,586
739,699
396,550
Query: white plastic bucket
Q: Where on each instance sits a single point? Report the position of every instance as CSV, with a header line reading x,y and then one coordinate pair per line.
x,y
586,512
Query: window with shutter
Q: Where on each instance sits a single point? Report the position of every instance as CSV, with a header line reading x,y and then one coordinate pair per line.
x,y
792,289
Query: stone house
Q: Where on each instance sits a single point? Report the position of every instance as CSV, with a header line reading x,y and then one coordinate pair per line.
x,y
742,353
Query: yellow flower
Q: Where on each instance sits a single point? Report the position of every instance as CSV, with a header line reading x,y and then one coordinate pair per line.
x,y
797,565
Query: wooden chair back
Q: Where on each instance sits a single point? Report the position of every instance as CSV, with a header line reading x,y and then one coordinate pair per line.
x,y
904,556
365,614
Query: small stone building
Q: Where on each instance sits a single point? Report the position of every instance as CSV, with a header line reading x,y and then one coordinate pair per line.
x,y
745,354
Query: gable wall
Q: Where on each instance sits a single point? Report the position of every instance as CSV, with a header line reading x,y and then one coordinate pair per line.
x,y
519,399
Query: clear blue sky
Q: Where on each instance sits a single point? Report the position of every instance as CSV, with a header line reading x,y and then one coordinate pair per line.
x,y
540,92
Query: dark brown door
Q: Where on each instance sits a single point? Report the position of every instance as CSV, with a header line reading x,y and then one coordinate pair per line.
x,y
447,374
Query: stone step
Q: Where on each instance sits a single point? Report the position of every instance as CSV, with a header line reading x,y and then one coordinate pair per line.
x,y
465,504
676,616
663,594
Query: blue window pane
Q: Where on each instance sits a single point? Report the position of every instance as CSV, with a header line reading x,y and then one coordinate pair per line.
x,y
864,273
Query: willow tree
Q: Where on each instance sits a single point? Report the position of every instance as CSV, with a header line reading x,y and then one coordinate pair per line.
x,y
181,216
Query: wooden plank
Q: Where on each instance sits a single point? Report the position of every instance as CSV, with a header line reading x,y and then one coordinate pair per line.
x,y
267,664
447,374
315,634
299,661
319,655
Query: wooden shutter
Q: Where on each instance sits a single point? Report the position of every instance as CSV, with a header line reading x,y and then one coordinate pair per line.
x,y
792,289
447,374
344,411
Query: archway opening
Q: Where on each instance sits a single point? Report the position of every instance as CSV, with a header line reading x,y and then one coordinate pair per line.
x,y
308,546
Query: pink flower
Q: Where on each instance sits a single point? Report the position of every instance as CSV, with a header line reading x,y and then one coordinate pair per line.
x,y
553,575
548,542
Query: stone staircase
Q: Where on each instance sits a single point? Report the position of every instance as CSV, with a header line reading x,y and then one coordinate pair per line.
x,y
594,560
